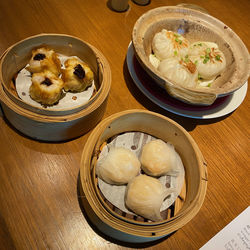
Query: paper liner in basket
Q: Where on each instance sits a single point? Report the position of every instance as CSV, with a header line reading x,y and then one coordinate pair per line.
x,y
135,142
69,100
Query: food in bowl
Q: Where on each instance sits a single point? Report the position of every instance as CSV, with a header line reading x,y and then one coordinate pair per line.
x,y
190,65
131,129
49,76
195,26
119,164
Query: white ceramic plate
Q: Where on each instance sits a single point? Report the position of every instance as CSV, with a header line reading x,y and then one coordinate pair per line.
x,y
221,107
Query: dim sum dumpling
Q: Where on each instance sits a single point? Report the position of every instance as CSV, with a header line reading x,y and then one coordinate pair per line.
x,y
145,195
154,60
46,88
119,166
210,61
196,48
167,44
44,59
77,75
182,71
159,158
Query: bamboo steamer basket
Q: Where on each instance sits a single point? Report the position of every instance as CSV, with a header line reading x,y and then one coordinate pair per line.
x,y
195,25
52,124
131,229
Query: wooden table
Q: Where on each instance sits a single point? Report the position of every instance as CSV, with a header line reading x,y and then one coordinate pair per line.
x,y
39,206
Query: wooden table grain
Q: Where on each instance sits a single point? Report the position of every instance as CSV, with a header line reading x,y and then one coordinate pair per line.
x,y
39,206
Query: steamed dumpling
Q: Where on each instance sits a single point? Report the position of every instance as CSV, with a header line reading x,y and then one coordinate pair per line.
x,y
159,158
145,195
46,88
182,71
44,59
77,75
210,61
154,60
119,166
167,44
197,48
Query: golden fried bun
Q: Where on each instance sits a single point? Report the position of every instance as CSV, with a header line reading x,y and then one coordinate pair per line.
x,y
44,59
46,88
77,75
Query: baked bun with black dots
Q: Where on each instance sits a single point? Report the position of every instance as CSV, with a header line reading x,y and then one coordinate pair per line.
x,y
42,59
77,75
46,88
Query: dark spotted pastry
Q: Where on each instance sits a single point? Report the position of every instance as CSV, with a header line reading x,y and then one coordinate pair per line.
x,y
77,75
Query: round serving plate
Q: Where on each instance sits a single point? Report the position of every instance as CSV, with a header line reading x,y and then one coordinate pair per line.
x,y
146,84
159,127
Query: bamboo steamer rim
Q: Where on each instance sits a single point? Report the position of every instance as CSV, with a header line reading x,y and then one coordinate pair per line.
x,y
93,105
123,225
129,220
102,65
188,94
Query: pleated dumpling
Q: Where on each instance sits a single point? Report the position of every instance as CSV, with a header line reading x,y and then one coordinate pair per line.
x,y
210,61
159,158
145,195
167,44
182,71
119,166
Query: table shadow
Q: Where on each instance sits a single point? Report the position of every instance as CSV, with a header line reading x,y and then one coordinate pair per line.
x,y
188,123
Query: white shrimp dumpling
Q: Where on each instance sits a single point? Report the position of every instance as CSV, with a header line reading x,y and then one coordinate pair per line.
x,y
182,71
145,195
118,167
167,44
159,158
210,61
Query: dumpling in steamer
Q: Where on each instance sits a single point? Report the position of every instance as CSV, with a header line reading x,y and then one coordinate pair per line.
x,y
182,71
159,158
119,166
77,75
46,88
210,61
167,44
44,59
145,195
196,48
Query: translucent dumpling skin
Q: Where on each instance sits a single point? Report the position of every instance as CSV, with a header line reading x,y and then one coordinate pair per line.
x,y
182,71
145,195
190,65
159,158
209,59
118,167
167,44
